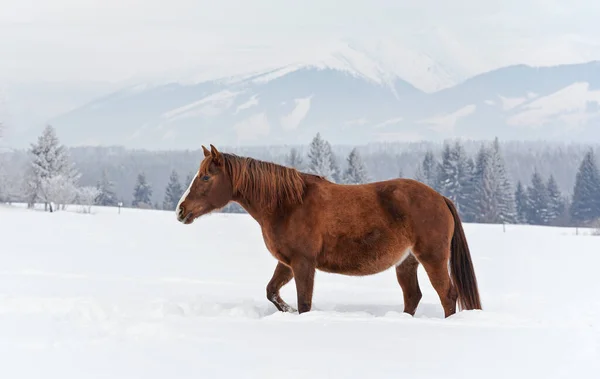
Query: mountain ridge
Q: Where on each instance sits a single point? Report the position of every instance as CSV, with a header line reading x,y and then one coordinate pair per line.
x,y
350,92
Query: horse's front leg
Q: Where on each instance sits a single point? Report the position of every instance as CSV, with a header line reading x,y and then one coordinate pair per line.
x,y
304,275
282,275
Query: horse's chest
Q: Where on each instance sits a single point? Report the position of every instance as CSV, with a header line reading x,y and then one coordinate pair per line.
x,y
272,245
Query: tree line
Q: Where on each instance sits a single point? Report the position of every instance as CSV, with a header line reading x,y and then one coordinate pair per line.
x,y
477,180
483,192
321,161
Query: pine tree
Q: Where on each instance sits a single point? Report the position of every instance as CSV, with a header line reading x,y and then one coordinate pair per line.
x,y
468,193
555,200
453,174
427,171
106,193
356,173
444,171
173,192
521,202
50,171
142,193
319,159
294,159
503,188
564,217
188,179
484,202
585,206
538,201
336,174
493,196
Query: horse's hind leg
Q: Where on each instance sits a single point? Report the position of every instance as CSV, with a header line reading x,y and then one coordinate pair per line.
x,y
435,263
282,275
406,273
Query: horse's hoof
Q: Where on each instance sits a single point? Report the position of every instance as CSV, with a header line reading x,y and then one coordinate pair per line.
x,y
289,309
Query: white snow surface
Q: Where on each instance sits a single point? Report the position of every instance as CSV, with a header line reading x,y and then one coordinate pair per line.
x,y
139,295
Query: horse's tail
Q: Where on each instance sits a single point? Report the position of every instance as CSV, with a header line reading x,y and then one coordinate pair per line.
x,y
461,266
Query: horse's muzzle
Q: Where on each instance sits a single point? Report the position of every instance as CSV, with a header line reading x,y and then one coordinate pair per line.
x,y
181,216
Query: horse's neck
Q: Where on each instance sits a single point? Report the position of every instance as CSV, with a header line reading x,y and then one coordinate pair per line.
x,y
256,207
250,207
250,204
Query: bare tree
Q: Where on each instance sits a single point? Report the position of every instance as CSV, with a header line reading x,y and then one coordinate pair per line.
x,y
58,190
86,197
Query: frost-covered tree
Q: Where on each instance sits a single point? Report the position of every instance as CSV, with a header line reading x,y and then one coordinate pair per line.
x,y
57,190
106,193
503,188
469,210
336,172
142,193
356,173
294,159
319,156
173,192
555,200
427,170
453,174
585,206
188,179
521,202
86,197
49,159
493,196
484,201
538,201
5,181
4,178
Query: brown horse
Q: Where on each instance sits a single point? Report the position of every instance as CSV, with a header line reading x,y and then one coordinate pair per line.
x,y
310,223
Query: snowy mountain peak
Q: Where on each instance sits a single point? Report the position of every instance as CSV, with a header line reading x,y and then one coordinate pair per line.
x,y
382,63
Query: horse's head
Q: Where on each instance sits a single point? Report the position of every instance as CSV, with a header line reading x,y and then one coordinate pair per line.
x,y
209,190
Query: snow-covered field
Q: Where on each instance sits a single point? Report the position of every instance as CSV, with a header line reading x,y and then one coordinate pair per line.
x,y
138,295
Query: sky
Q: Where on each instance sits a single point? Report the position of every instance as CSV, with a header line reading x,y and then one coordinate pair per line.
x,y
117,40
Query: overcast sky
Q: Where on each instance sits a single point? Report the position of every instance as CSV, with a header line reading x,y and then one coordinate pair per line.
x,y
117,39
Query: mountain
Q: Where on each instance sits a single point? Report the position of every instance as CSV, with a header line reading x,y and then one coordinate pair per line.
x,y
25,107
351,95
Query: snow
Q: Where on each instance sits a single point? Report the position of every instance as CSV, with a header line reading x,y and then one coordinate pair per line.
x,y
210,106
138,294
509,103
389,122
570,105
419,68
382,62
253,101
295,117
447,122
252,128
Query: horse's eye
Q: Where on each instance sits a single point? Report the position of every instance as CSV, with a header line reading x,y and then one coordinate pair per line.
x,y
205,178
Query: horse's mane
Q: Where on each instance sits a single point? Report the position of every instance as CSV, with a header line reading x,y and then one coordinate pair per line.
x,y
268,184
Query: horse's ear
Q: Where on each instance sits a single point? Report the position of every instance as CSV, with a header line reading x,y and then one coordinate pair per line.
x,y
217,157
206,151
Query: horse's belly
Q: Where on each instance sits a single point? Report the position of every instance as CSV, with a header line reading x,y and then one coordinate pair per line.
x,y
360,263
